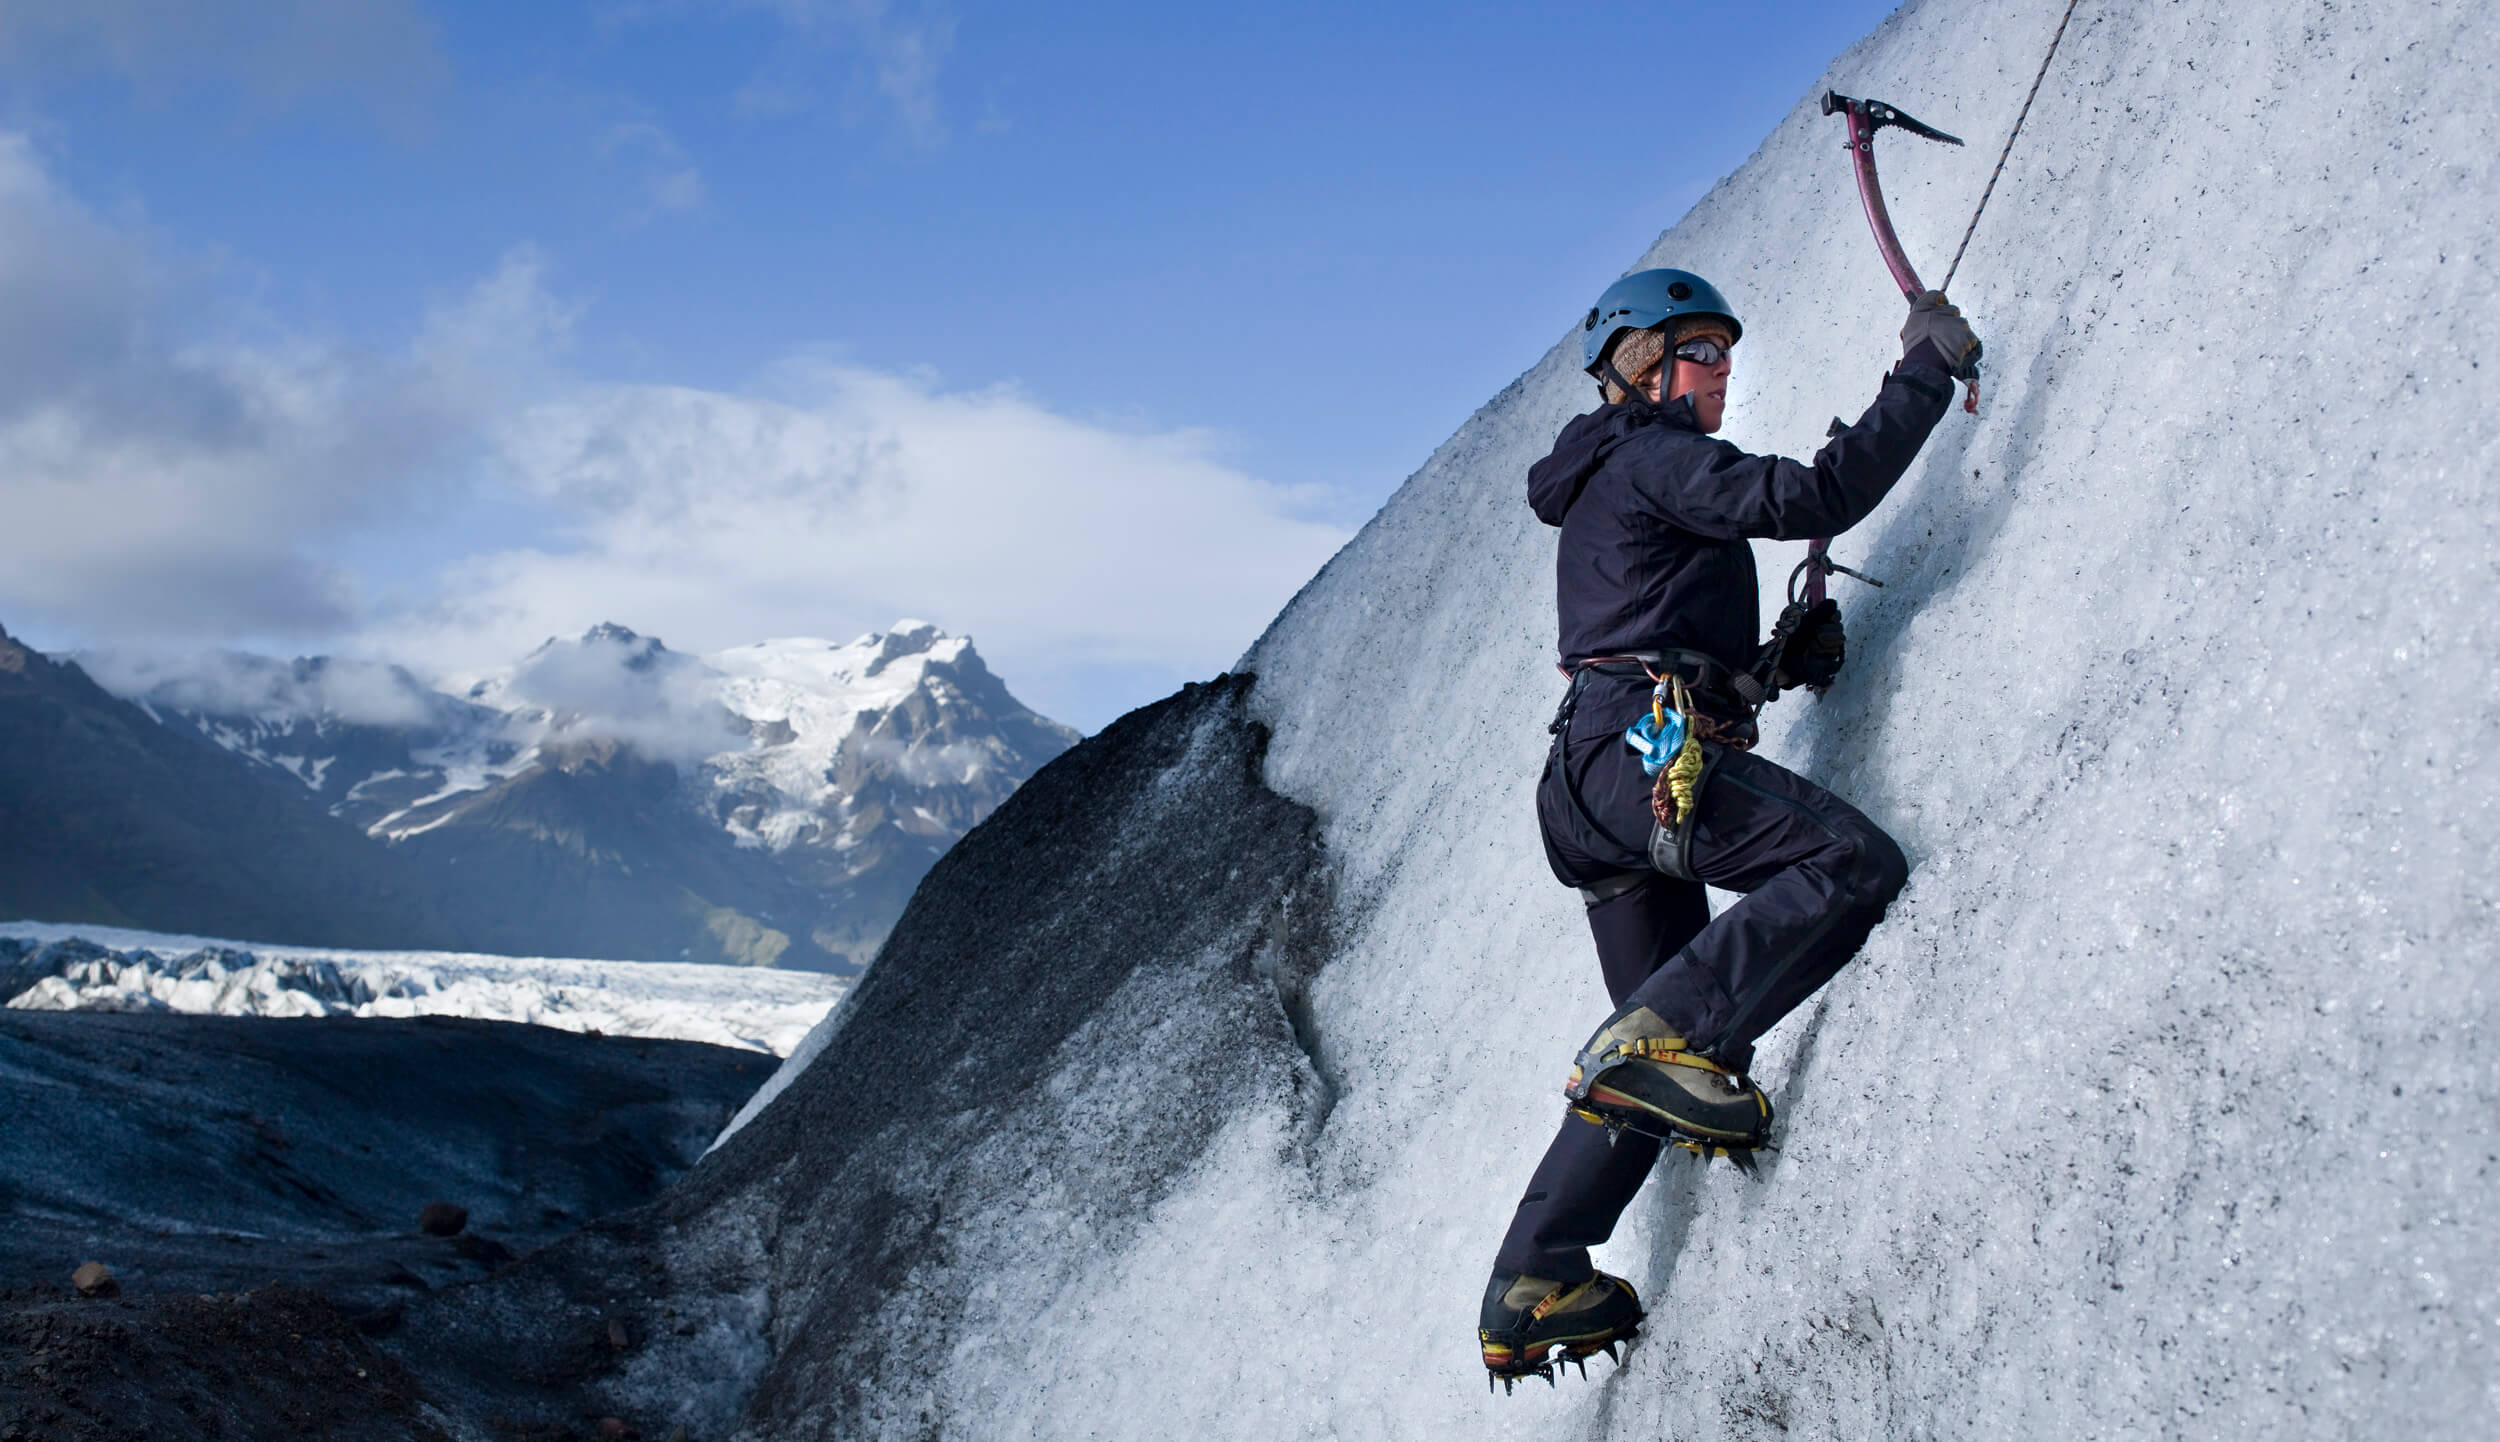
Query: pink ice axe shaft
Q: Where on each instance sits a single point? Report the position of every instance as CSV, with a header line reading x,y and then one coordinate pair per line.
x,y
1865,118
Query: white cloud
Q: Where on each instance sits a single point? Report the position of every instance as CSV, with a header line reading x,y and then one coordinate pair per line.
x,y
678,189
497,343
849,495
604,686
228,683
156,478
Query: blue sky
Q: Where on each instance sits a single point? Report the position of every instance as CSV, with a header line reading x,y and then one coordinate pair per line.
x,y
1086,330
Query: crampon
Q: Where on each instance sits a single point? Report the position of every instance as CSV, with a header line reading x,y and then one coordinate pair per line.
x,y
1518,1367
1636,1074
1567,1324
1617,1121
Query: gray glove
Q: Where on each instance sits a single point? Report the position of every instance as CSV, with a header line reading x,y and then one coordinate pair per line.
x,y
1936,335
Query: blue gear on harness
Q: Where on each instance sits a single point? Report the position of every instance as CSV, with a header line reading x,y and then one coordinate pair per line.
x,y
1658,736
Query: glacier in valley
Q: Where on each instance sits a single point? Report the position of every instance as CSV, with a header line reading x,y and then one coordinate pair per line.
x,y
1193,1091
56,967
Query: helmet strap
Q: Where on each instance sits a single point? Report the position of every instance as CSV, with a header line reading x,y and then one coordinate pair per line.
x,y
1631,392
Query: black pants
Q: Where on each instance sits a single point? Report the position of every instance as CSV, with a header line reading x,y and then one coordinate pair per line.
x,y
1816,877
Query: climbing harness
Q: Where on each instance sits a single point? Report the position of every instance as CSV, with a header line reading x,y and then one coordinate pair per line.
x,y
1678,775
1678,740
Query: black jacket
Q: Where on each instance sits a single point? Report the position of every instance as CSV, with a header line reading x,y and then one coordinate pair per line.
x,y
1657,520
1656,516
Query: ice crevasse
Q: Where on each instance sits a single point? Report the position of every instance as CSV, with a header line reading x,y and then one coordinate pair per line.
x,y
2163,1104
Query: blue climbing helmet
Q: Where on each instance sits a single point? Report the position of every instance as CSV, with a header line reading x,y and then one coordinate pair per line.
x,y
1646,298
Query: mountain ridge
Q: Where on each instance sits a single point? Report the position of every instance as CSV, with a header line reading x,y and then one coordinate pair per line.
x,y
607,796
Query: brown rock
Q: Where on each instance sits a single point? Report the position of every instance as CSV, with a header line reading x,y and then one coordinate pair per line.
x,y
94,1279
442,1219
617,1337
617,1427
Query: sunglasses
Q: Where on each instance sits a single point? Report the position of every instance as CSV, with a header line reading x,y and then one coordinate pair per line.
x,y
1701,352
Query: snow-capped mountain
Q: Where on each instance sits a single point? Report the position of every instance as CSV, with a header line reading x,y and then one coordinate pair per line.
x,y
371,741
771,804
868,761
108,815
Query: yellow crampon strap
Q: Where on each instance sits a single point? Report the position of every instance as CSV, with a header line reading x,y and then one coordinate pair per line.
x,y
1556,1298
1668,1050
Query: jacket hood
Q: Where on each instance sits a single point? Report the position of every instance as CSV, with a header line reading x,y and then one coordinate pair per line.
x,y
1555,483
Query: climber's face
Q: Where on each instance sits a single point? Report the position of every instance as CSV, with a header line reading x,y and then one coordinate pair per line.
x,y
1701,366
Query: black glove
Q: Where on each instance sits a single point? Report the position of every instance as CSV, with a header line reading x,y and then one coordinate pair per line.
x,y
1936,335
1807,647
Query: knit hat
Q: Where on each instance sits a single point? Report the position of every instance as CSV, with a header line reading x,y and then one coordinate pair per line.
x,y
1637,350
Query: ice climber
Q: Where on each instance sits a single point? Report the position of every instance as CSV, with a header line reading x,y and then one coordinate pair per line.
x,y
1657,594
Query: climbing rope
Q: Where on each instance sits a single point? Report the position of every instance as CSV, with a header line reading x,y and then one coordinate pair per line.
x,y
2009,145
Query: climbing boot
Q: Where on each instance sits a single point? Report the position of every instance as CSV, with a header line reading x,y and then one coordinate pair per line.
x,y
1637,1073
1531,1326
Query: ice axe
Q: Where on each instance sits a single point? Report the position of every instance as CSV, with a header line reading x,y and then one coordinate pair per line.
x,y
1865,118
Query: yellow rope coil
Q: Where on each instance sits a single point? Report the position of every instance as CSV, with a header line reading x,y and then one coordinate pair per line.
x,y
1685,774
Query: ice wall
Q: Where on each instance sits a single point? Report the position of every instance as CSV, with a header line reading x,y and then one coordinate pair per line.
x,y
2162,1105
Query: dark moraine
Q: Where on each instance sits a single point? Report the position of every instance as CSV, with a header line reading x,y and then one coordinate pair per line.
x,y
253,1180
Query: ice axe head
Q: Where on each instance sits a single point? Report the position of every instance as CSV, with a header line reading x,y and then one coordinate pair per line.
x,y
1865,118
1874,115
